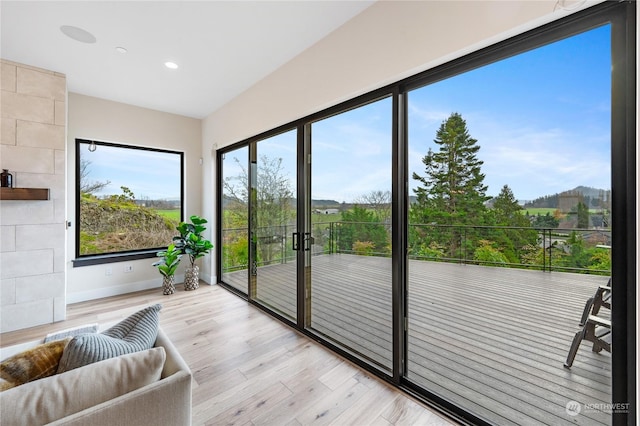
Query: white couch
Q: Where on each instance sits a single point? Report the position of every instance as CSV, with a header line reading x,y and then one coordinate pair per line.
x,y
166,401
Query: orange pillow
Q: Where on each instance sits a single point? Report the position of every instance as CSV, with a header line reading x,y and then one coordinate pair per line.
x,y
32,364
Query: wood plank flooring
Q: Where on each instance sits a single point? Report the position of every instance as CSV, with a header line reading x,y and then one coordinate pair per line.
x,y
490,339
250,369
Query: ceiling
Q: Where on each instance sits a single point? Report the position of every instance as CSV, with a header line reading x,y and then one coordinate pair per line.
x,y
221,47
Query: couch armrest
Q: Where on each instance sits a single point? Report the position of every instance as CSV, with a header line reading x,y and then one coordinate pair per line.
x,y
174,362
165,402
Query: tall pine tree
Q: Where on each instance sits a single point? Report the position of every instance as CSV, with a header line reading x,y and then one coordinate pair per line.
x,y
452,190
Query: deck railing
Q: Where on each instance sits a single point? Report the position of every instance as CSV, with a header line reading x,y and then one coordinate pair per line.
x,y
548,248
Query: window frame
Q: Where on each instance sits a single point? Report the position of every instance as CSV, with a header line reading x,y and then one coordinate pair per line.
x,y
122,256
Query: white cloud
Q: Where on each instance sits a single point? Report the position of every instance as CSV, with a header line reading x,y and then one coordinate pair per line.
x,y
536,163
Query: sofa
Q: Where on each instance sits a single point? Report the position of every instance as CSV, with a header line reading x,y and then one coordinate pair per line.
x,y
152,387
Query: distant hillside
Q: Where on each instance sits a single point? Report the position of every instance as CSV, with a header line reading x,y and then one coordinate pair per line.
x,y
227,201
592,197
325,203
587,191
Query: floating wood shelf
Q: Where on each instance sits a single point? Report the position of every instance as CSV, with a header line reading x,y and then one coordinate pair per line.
x,y
24,193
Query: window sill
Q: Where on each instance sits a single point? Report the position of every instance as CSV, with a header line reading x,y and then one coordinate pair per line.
x,y
100,259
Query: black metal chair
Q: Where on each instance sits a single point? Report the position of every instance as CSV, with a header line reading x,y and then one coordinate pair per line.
x,y
595,328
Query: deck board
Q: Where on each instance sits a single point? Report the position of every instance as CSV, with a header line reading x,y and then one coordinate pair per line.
x,y
490,339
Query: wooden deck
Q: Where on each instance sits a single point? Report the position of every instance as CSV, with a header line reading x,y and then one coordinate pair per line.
x,y
492,340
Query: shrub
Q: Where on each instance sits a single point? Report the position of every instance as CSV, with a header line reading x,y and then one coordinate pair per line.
x,y
363,248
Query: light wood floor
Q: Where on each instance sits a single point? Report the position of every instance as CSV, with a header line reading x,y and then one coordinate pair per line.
x,y
250,369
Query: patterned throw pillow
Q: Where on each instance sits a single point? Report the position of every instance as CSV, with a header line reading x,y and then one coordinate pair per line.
x,y
135,333
35,363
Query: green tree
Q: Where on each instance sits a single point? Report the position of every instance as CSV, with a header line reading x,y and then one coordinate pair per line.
x,y
546,221
452,190
359,226
507,210
274,204
488,253
578,256
511,239
583,215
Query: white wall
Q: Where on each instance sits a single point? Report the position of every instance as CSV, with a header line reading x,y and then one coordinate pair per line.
x,y
99,119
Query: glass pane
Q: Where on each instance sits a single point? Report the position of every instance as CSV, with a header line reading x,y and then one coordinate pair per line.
x,y
351,238
235,218
276,222
509,234
125,207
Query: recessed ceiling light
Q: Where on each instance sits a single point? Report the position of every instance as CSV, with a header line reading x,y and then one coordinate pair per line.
x,y
171,65
78,34
121,50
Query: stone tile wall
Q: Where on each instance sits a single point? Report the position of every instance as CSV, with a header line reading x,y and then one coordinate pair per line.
x,y
32,233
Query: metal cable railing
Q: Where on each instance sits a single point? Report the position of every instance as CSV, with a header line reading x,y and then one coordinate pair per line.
x,y
546,249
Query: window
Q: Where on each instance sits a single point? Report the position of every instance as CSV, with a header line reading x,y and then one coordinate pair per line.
x,y
511,175
129,200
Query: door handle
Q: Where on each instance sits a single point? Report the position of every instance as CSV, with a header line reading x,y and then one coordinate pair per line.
x,y
308,241
295,244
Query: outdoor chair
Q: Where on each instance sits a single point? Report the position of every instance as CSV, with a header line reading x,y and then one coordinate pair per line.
x,y
595,328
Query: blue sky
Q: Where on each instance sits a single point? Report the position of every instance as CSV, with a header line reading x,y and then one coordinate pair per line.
x,y
122,167
541,118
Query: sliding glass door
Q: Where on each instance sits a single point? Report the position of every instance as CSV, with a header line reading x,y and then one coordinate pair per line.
x,y
509,233
259,216
451,236
350,280
273,213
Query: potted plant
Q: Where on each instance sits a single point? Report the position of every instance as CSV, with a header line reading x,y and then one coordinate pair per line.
x,y
192,242
167,267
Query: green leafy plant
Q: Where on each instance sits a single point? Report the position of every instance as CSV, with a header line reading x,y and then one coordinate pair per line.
x,y
191,241
170,260
363,248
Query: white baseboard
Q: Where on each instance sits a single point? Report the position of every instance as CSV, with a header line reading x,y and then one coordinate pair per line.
x,y
209,279
83,296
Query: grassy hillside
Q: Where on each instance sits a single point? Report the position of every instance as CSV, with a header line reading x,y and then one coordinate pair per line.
x,y
117,224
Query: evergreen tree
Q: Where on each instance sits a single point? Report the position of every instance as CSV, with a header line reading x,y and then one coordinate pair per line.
x,y
507,210
360,225
452,190
546,221
583,215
